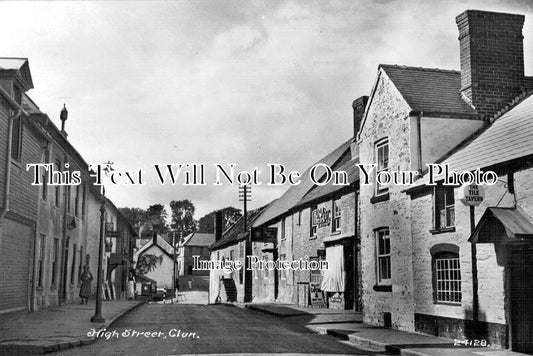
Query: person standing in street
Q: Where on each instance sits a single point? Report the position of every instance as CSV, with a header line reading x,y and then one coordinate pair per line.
x,y
131,286
190,284
85,290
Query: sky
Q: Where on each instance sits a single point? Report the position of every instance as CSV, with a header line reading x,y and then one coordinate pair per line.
x,y
228,82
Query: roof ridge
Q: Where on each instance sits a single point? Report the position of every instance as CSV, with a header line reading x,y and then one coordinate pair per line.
x,y
517,100
400,66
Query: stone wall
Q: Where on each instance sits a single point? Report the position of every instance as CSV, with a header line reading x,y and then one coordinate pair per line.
x,y
387,117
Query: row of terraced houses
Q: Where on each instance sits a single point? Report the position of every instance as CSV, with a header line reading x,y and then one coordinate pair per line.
x,y
410,257
48,232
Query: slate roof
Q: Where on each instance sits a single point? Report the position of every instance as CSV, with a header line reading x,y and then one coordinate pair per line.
x,y
237,232
516,222
508,138
21,68
199,239
320,191
295,193
160,242
432,91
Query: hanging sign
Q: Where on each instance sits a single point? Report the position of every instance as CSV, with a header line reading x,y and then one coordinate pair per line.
x,y
471,194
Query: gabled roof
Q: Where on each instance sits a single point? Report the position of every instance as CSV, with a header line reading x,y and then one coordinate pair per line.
x,y
199,239
432,91
237,232
295,193
160,242
514,223
508,138
20,68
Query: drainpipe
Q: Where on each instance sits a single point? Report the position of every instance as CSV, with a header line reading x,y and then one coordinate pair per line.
x,y
7,183
419,140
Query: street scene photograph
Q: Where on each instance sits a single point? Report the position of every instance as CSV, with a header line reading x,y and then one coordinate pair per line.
x,y
266,177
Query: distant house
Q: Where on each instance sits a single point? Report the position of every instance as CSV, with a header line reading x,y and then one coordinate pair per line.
x,y
233,245
163,273
195,244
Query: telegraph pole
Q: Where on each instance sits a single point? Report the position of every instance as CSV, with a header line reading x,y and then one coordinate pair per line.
x,y
245,195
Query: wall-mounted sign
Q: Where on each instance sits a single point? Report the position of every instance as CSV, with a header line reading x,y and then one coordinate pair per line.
x,y
322,217
471,194
315,294
266,235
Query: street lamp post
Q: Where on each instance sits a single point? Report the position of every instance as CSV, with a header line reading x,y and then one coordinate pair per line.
x,y
98,318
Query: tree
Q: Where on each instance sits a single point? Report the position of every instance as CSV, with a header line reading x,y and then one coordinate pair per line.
x,y
156,217
135,216
183,216
230,215
147,263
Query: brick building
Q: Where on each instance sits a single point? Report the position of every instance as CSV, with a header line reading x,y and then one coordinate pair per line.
x,y
47,232
20,143
417,268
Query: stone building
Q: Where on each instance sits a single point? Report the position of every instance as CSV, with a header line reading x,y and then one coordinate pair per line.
x,y
314,222
417,272
234,245
163,273
501,243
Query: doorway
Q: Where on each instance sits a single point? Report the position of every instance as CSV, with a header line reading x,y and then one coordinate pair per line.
x,y
521,295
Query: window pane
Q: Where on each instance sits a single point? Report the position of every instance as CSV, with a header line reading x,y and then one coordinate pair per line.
x,y
448,278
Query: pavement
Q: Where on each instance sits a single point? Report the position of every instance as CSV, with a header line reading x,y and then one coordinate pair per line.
x,y
348,326
57,328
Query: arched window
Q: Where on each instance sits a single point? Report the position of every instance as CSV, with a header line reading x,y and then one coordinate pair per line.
x,y
446,274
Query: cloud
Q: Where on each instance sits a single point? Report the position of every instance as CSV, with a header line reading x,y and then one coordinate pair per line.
x,y
246,82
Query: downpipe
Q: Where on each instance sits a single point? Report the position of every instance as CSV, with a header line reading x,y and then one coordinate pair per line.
x,y
7,183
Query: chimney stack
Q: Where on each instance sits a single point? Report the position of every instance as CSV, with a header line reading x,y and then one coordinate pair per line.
x,y
218,225
492,59
358,106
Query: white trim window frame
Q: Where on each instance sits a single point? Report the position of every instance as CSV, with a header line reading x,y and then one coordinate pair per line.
x,y
447,275
383,257
443,207
382,163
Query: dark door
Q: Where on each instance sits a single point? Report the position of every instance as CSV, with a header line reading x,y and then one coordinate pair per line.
x,y
521,301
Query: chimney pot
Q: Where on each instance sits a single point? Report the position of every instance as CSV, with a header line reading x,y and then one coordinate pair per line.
x,y
358,106
218,225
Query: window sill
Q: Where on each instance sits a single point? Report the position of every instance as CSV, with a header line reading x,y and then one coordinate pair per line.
x,y
312,237
338,232
380,198
379,288
442,230
16,163
450,304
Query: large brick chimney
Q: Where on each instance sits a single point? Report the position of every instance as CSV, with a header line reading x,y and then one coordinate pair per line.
x,y
492,59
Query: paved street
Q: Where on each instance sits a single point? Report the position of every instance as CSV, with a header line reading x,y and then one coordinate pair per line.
x,y
209,329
